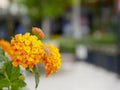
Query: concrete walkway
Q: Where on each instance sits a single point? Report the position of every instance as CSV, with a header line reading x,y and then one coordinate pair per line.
x,y
77,76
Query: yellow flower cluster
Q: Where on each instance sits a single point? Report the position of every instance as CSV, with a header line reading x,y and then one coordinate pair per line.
x,y
52,59
27,50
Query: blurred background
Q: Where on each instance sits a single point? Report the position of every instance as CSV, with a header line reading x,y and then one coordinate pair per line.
x,y
87,32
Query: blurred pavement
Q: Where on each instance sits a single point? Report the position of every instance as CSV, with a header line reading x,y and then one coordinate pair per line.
x,y
77,76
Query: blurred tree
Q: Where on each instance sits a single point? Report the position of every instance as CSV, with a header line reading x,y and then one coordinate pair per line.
x,y
45,9
39,8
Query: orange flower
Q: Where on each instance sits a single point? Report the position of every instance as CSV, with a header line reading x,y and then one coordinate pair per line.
x,y
38,32
16,62
51,59
5,45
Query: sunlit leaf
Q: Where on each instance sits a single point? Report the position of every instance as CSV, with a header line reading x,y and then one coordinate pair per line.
x,y
18,84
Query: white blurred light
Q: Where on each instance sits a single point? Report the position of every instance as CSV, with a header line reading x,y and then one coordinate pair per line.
x,y
17,9
4,4
81,52
14,9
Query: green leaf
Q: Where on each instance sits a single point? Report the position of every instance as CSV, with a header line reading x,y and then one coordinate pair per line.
x,y
2,55
15,73
12,72
9,76
2,58
2,51
15,88
29,70
1,71
3,81
1,76
18,84
8,68
37,75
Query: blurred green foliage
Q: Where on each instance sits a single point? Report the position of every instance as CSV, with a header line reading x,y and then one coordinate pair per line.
x,y
41,8
68,44
103,39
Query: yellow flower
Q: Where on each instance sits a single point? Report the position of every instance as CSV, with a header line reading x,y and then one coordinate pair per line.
x,y
34,50
19,37
51,59
27,42
28,48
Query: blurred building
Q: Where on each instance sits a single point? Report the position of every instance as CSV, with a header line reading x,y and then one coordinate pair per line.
x,y
99,13
93,15
11,15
